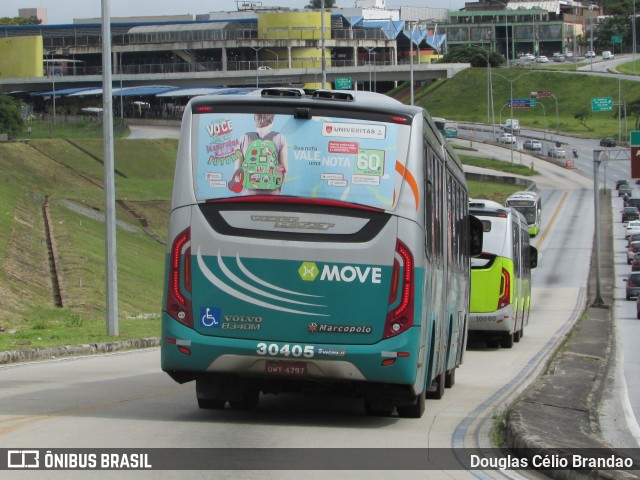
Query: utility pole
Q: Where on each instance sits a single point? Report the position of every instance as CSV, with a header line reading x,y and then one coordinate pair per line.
x,y
111,264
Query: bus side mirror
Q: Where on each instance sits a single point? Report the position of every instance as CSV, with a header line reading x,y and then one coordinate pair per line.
x,y
475,236
533,256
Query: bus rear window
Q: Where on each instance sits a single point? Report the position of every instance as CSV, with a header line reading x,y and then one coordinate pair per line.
x,y
342,159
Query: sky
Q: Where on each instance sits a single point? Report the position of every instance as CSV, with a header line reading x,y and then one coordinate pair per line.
x,y
64,11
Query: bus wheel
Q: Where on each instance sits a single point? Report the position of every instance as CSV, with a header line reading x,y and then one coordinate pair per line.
x,y
377,410
507,340
412,411
211,403
450,378
516,336
436,392
248,401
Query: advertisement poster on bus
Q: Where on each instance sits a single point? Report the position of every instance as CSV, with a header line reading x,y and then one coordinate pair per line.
x,y
266,154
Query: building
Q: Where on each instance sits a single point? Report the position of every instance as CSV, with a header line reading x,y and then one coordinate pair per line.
x,y
39,13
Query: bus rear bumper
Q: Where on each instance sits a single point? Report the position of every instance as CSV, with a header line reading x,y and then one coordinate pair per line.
x,y
187,355
499,321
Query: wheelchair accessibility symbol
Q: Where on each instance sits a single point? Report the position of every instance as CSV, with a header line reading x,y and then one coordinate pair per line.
x,y
210,317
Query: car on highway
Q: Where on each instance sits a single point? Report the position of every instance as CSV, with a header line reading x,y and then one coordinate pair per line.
x,y
506,138
635,263
632,227
624,190
634,247
527,57
557,152
533,145
633,285
590,54
638,307
621,182
558,58
632,202
630,213
607,55
542,59
607,142
634,237
264,67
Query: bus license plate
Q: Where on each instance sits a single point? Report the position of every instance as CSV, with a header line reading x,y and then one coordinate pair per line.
x,y
276,367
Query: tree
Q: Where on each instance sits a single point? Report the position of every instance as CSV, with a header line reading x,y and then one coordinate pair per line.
x,y
10,117
633,108
19,21
317,4
618,25
476,56
582,116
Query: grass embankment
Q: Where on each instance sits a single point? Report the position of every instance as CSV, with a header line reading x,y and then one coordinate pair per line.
x,y
464,98
69,174
63,173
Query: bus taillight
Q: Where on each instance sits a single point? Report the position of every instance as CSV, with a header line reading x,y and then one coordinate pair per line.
x,y
505,289
400,318
178,305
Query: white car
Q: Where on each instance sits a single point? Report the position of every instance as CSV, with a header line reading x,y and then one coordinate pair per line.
x,y
557,152
527,56
542,59
534,145
632,227
590,54
506,138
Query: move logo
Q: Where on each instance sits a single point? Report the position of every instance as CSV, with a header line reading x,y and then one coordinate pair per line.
x,y
309,271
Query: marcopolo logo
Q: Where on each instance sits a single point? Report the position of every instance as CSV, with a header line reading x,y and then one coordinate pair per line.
x,y
309,271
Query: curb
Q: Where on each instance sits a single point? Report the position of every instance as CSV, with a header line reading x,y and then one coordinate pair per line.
x,y
32,354
559,410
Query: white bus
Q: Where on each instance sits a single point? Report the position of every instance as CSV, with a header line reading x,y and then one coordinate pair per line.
x,y
529,204
501,275
316,242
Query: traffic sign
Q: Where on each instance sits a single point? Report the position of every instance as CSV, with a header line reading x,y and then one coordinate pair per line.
x,y
522,103
635,162
634,138
343,83
602,104
541,94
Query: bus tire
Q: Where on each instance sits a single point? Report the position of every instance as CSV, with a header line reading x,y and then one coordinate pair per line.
x,y
414,410
450,378
507,340
436,392
211,403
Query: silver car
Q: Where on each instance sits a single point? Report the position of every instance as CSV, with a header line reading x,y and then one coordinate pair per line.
x,y
557,152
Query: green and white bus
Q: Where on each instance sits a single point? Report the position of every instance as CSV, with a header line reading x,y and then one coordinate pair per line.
x,y
447,128
501,275
529,204
316,242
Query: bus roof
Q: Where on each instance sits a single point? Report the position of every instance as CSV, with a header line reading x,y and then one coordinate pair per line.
x,y
523,194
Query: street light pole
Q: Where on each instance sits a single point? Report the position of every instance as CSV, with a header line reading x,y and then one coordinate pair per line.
x,y
369,49
324,62
511,82
257,49
633,24
411,60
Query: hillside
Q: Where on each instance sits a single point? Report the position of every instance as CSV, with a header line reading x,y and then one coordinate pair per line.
x,y
68,177
464,98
